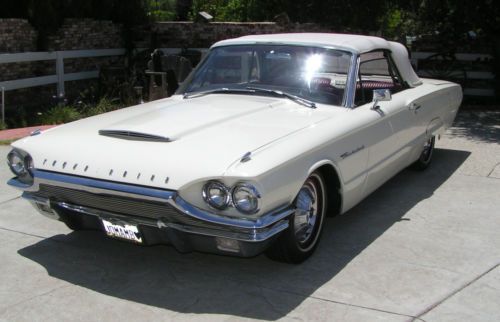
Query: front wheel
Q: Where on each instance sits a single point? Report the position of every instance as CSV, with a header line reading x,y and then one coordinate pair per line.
x,y
426,156
299,241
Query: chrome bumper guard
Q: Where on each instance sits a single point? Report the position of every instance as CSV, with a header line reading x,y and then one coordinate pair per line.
x,y
246,230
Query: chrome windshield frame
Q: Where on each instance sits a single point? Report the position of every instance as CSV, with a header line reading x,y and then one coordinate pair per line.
x,y
351,81
348,97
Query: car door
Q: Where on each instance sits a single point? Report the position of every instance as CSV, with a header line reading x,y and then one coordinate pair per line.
x,y
392,124
410,125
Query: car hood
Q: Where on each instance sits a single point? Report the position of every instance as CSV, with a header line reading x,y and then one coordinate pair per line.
x,y
169,143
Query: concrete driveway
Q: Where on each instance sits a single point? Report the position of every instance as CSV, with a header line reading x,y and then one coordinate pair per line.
x,y
425,246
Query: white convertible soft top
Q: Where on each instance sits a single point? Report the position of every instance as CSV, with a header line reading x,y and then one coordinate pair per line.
x,y
353,43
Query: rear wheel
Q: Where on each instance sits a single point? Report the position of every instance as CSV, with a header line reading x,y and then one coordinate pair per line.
x,y
426,156
299,241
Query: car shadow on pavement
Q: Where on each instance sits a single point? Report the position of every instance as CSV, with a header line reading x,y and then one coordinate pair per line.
x,y
252,288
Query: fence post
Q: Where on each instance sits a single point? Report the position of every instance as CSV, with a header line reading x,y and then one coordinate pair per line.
x,y
60,74
3,105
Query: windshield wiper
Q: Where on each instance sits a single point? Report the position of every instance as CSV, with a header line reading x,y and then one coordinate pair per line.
x,y
246,90
296,99
217,91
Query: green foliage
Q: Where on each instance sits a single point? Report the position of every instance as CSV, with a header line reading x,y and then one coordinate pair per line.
x,y
6,142
61,114
103,106
162,15
161,10
341,15
449,18
393,21
397,23
237,10
3,126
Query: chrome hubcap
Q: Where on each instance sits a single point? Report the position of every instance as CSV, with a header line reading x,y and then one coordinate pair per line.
x,y
306,213
427,152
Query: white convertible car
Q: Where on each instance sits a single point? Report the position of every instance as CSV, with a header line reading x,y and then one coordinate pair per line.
x,y
267,136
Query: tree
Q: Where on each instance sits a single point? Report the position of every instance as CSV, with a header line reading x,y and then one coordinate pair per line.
x,y
354,15
182,8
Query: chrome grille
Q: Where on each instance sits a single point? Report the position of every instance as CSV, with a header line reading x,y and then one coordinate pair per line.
x,y
120,205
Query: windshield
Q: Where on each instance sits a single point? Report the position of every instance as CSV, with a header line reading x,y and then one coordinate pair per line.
x,y
312,73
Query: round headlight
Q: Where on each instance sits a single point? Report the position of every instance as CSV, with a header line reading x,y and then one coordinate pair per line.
x,y
16,163
246,198
216,195
21,164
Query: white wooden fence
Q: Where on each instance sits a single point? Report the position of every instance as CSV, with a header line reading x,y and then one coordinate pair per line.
x,y
60,77
471,73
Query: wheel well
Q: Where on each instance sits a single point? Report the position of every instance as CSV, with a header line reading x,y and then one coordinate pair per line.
x,y
332,181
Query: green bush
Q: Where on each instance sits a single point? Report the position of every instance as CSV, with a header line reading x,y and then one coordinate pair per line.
x,y
61,114
104,105
3,126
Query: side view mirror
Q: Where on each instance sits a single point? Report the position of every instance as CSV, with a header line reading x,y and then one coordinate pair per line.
x,y
380,95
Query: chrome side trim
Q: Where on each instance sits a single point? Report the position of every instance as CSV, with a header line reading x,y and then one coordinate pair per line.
x,y
98,186
153,194
254,237
261,222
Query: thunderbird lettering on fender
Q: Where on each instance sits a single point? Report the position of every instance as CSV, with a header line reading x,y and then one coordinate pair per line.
x,y
347,154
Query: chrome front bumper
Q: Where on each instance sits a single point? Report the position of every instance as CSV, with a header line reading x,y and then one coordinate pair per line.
x,y
189,219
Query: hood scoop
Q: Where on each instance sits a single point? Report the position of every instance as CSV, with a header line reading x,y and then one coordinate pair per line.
x,y
134,136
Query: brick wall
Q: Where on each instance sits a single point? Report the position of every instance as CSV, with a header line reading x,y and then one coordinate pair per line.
x,y
202,35
86,34
16,35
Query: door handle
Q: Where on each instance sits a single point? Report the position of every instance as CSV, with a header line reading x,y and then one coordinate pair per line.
x,y
414,107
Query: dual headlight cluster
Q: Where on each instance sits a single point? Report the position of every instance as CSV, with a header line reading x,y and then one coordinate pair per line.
x,y
243,196
21,164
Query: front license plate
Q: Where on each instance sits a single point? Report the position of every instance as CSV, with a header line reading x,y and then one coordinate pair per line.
x,y
125,231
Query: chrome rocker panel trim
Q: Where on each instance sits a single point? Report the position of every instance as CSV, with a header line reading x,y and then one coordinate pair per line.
x,y
258,229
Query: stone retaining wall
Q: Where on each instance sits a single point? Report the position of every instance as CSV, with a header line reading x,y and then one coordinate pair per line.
x,y
17,35
203,35
86,34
